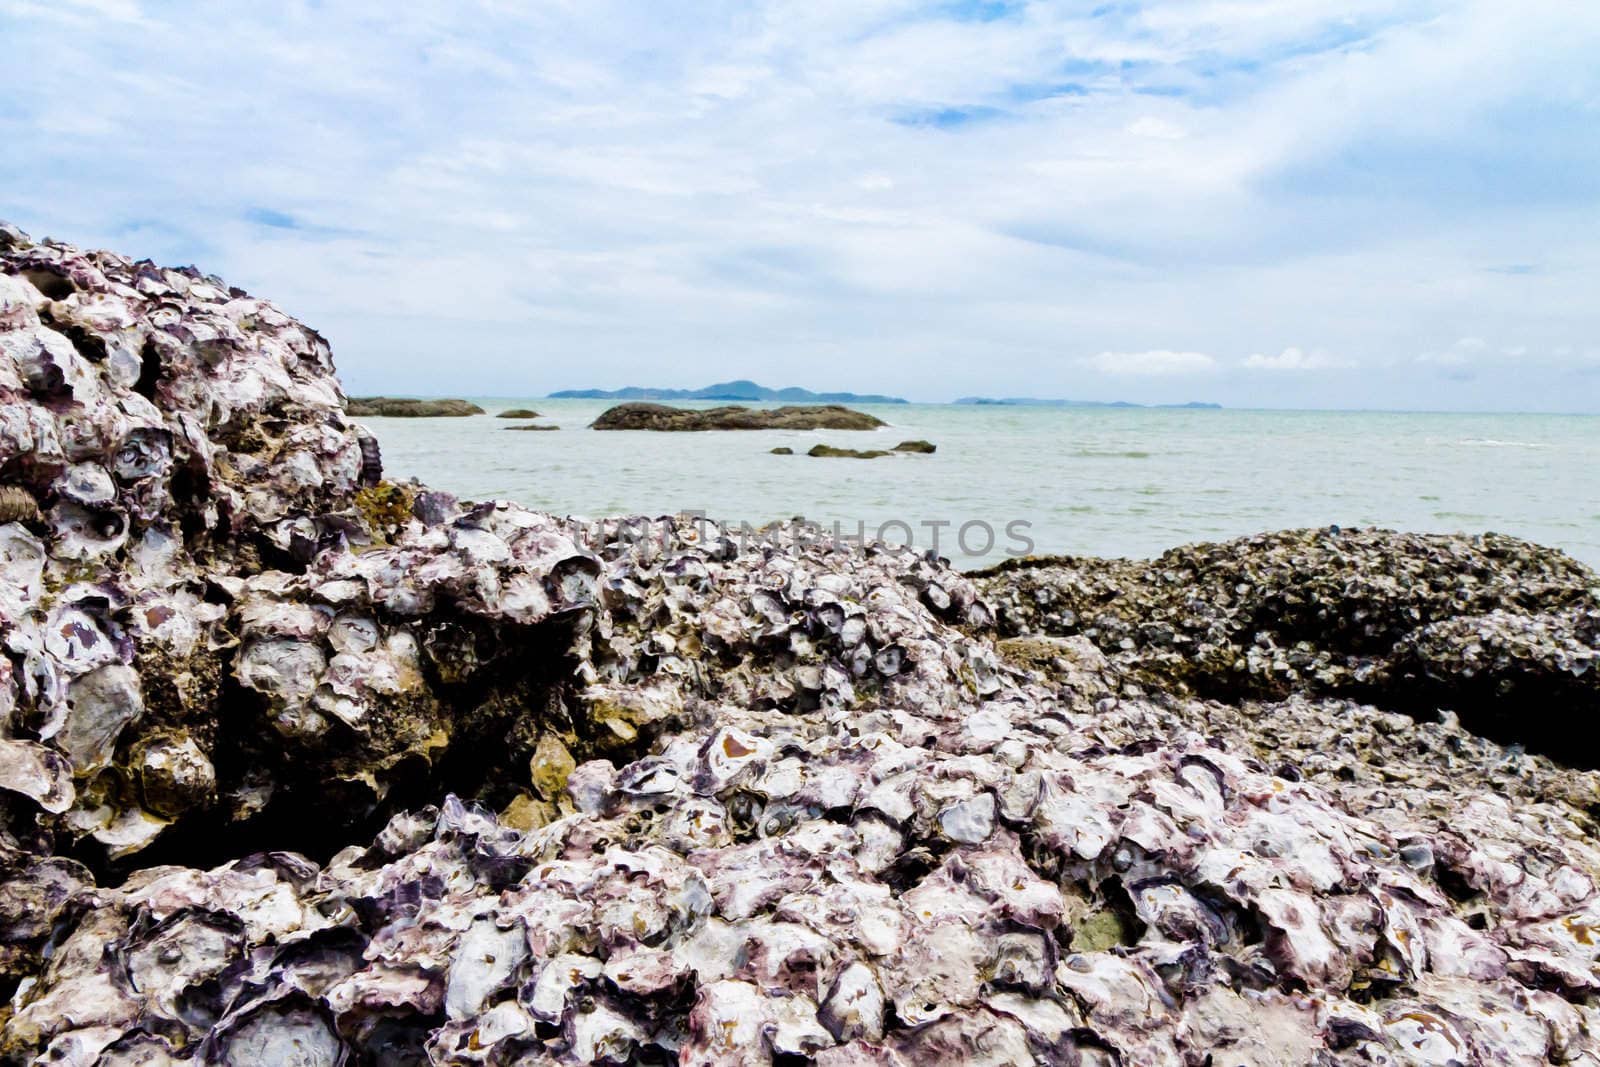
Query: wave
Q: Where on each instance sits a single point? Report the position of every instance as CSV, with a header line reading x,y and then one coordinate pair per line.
x,y
1489,442
1106,453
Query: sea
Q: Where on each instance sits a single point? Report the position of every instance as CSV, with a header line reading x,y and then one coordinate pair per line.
x,y
1008,481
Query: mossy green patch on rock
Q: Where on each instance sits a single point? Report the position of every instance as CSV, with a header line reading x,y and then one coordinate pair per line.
x,y
386,507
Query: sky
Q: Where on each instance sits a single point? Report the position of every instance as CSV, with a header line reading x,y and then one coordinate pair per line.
x,y
1260,203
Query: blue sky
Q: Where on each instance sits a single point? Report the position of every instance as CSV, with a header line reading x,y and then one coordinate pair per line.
x,y
1256,202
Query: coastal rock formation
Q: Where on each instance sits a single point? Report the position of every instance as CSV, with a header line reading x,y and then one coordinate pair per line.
x,y
831,452
794,417
518,413
437,784
214,612
1485,626
904,447
390,407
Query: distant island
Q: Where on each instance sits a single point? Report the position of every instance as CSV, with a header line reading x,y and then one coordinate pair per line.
x,y
1037,402
739,390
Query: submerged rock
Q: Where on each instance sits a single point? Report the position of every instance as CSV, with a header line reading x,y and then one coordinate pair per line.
x,y
831,452
642,416
303,769
518,413
408,408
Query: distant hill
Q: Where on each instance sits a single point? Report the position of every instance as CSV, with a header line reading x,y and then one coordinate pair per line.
x,y
1036,402
739,390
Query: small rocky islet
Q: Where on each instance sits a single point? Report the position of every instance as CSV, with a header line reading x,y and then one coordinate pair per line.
x,y
390,407
305,765
833,452
661,417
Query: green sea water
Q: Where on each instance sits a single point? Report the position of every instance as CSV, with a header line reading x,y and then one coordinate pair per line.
x,y
1088,481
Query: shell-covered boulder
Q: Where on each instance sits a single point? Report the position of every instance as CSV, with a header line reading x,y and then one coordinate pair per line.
x,y
1491,627
208,603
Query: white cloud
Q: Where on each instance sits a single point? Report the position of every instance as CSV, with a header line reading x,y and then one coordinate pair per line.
x,y
1160,129
1295,359
1465,350
893,198
1156,363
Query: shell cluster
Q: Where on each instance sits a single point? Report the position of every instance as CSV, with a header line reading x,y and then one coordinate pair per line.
x,y
303,766
1481,625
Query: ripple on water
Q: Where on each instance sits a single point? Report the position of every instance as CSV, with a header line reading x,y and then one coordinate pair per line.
x,y
1107,453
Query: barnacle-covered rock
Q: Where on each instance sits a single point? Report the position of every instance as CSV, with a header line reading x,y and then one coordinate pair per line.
x,y
211,601
368,776
1486,626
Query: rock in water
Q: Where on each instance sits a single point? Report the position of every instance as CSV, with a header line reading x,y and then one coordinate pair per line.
x,y
794,417
831,452
802,803
518,413
926,448
409,408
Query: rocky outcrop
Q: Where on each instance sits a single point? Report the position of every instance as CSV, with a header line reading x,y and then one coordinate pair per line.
x,y
390,407
904,447
794,417
305,766
831,452
1486,626
518,413
216,622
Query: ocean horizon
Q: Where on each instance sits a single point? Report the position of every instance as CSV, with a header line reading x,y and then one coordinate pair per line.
x,y
1014,479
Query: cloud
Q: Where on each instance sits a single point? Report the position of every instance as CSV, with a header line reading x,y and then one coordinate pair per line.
x,y
1150,126
1295,359
1156,363
902,196
1464,350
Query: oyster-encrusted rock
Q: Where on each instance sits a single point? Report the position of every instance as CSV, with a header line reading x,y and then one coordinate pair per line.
x,y
637,793
1488,626
210,602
